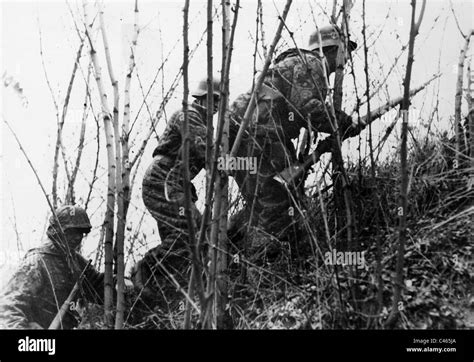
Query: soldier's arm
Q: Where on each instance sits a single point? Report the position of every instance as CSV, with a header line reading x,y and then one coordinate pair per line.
x,y
322,120
93,282
307,94
197,134
18,297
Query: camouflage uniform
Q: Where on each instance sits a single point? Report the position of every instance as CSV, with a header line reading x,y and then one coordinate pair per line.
x,y
293,95
163,196
46,276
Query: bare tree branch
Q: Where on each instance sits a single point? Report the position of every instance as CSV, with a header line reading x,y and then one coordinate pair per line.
x,y
111,173
403,209
193,245
459,132
456,19
252,102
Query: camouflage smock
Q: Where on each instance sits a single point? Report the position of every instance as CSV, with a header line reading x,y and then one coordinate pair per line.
x,y
163,196
162,186
292,97
169,144
40,286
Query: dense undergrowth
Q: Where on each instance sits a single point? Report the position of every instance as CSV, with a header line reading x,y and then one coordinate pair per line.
x,y
292,288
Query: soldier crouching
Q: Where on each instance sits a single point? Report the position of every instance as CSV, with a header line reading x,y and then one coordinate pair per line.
x,y
292,97
46,276
157,274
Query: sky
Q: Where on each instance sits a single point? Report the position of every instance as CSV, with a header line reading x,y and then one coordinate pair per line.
x,y
24,210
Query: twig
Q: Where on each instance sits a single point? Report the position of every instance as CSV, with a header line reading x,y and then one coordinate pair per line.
x,y
470,123
221,204
126,186
378,267
402,230
56,107
193,245
19,244
325,145
96,164
64,246
80,147
136,159
160,70
459,132
116,129
456,19
248,114
262,30
252,103
206,314
59,143
109,213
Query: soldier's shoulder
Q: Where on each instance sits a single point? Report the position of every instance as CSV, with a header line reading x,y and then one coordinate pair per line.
x,y
242,98
34,254
46,248
239,105
178,116
175,116
294,55
196,113
172,127
41,254
29,268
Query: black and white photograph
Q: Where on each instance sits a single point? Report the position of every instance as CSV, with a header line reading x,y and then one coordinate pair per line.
x,y
237,165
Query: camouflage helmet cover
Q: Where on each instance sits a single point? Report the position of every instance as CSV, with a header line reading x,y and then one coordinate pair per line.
x,y
71,216
330,36
201,89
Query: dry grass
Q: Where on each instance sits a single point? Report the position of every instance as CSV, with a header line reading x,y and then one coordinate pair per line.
x,y
293,289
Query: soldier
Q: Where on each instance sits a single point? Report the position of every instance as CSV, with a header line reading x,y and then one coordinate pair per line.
x,y
45,278
163,196
292,97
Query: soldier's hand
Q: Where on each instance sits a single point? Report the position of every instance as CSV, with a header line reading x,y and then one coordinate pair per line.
x,y
137,275
287,175
34,325
348,128
128,284
344,119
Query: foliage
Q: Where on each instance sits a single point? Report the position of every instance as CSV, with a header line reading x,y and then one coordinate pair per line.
x,y
293,289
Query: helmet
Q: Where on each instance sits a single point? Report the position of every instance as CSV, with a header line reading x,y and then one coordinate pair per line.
x,y
330,35
201,89
71,216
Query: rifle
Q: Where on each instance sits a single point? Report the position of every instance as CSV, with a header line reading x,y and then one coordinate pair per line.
x,y
292,173
57,321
